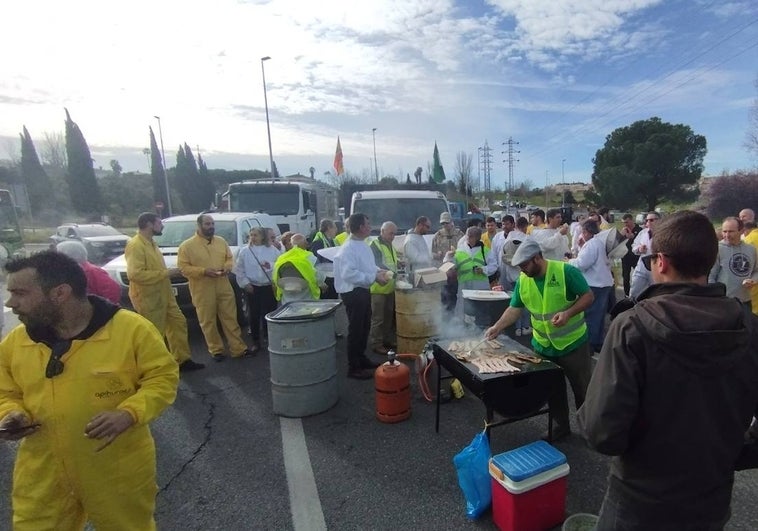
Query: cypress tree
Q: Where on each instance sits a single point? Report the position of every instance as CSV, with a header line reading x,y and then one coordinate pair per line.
x,y
160,193
33,175
80,175
205,184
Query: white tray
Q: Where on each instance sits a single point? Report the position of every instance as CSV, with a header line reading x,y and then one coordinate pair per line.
x,y
485,295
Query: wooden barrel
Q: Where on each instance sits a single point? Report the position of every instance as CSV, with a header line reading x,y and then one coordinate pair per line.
x,y
418,314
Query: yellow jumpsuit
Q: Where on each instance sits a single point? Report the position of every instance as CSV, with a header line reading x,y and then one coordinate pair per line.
x,y
752,239
212,297
59,481
151,294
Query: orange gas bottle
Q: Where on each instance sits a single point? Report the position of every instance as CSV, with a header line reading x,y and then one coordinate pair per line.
x,y
392,382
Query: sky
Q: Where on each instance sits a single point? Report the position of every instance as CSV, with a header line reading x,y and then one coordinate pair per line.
x,y
555,76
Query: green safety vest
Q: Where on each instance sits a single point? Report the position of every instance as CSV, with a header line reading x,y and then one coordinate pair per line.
x,y
299,259
319,236
340,238
390,262
543,306
465,264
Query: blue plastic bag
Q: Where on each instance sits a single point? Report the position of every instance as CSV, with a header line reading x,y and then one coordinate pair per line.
x,y
472,465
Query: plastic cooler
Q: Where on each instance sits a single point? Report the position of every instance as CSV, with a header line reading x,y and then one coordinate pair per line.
x,y
529,488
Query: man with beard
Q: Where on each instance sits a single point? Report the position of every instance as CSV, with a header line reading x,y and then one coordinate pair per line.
x,y
674,390
150,289
206,260
80,380
415,249
556,295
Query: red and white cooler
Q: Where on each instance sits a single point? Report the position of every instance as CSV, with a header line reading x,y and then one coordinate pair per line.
x,y
529,488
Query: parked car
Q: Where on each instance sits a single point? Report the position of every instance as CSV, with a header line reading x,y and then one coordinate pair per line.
x,y
234,227
102,241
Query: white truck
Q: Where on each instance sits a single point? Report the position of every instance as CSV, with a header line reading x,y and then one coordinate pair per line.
x,y
296,203
402,207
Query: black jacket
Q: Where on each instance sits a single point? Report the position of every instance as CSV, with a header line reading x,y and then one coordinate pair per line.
x,y
672,394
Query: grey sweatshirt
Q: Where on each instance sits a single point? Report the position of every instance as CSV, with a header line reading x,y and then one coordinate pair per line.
x,y
734,264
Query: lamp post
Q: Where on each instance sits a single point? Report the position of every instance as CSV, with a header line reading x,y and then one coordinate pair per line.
x,y
546,206
563,181
376,168
268,127
165,173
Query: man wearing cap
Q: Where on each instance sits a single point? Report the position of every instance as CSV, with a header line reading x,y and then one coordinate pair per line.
x,y
556,294
446,239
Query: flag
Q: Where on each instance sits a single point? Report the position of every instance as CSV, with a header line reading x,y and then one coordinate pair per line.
x,y
338,167
438,172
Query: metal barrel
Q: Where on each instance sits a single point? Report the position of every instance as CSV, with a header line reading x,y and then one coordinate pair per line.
x,y
418,313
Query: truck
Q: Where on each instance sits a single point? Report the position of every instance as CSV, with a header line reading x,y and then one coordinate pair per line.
x,y
402,207
296,203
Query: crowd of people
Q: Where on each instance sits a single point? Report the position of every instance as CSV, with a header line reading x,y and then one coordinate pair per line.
x,y
681,358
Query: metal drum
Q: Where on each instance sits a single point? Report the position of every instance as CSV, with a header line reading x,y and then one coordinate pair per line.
x,y
303,361
418,313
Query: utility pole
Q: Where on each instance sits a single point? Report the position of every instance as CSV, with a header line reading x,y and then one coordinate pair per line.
x,y
376,167
546,207
485,163
563,181
511,152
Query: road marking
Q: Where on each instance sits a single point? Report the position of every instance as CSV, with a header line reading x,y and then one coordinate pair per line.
x,y
305,505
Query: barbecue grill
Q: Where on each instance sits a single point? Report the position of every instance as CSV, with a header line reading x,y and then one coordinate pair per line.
x,y
513,396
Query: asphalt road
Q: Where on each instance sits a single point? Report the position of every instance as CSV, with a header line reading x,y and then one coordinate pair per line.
x,y
226,462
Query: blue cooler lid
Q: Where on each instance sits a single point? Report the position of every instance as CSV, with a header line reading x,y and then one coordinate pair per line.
x,y
530,460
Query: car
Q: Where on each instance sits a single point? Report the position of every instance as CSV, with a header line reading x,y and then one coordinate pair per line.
x,y
102,241
234,227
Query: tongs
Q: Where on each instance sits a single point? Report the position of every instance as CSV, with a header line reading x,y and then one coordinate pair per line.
x,y
475,347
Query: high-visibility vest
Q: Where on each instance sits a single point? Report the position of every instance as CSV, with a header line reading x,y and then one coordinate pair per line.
x,y
465,264
299,259
341,237
319,236
543,307
390,262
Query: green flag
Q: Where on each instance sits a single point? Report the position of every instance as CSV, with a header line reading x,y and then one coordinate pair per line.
x,y
438,172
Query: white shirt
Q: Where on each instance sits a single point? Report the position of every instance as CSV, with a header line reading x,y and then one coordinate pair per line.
x,y
498,242
642,239
576,237
354,266
248,270
417,253
593,262
553,244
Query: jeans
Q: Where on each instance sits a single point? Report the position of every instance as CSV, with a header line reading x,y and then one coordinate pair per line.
x,y
595,316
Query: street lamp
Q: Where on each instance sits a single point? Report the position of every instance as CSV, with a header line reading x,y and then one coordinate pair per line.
x,y
546,204
563,180
165,174
376,168
268,127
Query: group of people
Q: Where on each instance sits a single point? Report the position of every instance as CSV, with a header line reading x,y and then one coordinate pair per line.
x,y
675,387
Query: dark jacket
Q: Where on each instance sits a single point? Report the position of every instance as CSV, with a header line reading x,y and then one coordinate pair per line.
x,y
672,394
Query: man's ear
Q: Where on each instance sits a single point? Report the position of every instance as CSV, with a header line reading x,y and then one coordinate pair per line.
x,y
60,293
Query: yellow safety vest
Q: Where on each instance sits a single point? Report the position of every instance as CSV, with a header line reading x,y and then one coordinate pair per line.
x,y
341,237
319,236
543,307
390,262
299,259
465,264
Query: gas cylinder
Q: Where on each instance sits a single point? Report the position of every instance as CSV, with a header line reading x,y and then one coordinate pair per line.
x,y
392,382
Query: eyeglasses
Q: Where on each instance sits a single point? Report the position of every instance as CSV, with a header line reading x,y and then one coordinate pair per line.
x,y
54,364
651,219
647,260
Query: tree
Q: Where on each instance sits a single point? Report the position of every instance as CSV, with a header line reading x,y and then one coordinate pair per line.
x,y
463,178
568,198
34,177
196,191
158,176
83,188
648,162
53,152
116,168
728,194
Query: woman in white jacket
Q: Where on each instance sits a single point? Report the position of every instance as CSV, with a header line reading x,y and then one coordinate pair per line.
x,y
593,262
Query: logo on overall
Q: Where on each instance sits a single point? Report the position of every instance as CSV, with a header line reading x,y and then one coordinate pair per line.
x,y
553,282
739,264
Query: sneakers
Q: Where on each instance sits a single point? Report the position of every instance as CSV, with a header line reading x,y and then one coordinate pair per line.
x,y
360,374
190,365
518,332
217,357
366,363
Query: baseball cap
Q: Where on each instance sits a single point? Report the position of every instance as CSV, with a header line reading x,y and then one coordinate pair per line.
x,y
525,252
445,217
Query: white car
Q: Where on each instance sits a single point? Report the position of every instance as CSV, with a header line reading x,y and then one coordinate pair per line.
x,y
234,227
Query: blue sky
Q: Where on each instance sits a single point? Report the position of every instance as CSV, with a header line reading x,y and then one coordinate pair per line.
x,y
555,76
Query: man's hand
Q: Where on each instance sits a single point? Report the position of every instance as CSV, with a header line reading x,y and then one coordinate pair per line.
x,y
564,229
381,277
560,319
108,425
492,332
16,425
213,273
249,288
174,272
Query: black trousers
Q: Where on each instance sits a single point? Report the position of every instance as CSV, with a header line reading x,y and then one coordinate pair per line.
x,y
260,302
628,263
358,308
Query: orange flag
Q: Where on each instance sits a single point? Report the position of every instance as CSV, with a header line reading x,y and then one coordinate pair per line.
x,y
338,167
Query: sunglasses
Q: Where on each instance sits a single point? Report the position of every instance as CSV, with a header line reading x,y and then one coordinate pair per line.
x,y
54,364
647,260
